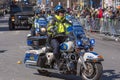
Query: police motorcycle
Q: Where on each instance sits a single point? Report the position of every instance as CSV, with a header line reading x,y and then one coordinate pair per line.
x,y
77,57
40,36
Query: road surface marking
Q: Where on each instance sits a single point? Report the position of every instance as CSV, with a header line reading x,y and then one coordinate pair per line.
x,y
1,32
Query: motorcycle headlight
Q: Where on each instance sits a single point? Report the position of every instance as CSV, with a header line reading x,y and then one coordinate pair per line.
x,y
43,30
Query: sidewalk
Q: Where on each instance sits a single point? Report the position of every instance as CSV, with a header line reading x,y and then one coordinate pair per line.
x,y
103,37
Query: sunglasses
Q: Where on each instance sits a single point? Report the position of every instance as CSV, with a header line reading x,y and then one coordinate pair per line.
x,y
62,11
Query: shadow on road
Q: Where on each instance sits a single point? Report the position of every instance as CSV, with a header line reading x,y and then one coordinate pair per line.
x,y
110,75
107,75
2,51
61,76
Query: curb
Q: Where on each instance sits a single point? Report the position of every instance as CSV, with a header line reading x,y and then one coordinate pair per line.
x,y
103,37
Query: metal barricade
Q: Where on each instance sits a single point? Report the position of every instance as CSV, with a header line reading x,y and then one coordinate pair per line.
x,y
87,24
92,25
103,25
107,26
110,26
117,27
95,24
82,20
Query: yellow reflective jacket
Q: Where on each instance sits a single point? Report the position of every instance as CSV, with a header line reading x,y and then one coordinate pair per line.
x,y
60,24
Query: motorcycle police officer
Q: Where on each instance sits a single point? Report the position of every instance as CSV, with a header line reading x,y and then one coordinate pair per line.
x,y
38,14
58,25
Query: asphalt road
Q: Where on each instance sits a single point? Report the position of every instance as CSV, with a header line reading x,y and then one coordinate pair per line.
x,y
13,47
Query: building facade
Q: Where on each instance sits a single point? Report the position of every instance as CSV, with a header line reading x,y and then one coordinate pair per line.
x,y
116,3
65,3
112,3
89,3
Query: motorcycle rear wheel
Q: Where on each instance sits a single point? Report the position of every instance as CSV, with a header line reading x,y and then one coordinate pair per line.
x,y
43,72
94,71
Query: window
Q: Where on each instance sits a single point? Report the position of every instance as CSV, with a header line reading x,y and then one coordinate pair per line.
x,y
15,8
27,8
117,2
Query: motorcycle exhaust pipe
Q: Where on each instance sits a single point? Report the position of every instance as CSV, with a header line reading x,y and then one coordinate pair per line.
x,y
39,68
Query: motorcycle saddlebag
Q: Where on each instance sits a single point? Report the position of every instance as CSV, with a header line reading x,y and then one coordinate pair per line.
x,y
31,57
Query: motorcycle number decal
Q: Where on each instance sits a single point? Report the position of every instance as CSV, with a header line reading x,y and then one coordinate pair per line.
x,y
90,57
42,22
31,58
63,47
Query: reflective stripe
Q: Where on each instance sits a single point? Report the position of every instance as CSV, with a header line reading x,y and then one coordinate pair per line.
x,y
60,24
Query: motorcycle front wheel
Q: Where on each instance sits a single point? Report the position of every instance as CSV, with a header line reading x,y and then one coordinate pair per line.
x,y
93,72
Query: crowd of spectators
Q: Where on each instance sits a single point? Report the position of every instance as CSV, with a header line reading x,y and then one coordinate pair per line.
x,y
108,12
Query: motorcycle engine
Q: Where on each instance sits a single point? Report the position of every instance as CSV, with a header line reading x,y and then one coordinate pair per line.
x,y
68,61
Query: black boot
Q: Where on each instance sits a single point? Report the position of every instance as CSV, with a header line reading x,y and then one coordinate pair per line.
x,y
56,65
59,62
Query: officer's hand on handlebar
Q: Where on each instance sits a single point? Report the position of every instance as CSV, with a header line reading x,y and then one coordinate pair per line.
x,y
51,30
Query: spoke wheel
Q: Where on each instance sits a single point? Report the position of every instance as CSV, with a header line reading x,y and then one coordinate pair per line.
x,y
93,72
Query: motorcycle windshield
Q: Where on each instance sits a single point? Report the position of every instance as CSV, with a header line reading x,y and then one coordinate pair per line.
x,y
42,22
78,32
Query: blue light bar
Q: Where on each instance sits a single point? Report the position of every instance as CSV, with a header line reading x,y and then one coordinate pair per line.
x,y
29,42
92,42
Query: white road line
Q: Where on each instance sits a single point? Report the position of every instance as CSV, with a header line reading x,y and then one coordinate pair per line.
x,y
3,24
17,32
6,17
24,47
1,32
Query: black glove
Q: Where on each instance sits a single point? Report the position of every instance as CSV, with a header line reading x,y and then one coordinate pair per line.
x,y
52,30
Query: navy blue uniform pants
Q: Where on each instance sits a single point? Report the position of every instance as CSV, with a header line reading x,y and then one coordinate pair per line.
x,y
55,43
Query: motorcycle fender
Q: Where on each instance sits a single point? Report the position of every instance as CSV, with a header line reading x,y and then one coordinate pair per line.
x,y
92,57
50,57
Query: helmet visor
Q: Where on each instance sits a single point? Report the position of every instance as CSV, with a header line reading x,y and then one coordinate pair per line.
x,y
61,11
